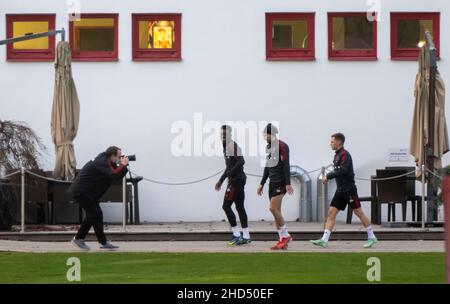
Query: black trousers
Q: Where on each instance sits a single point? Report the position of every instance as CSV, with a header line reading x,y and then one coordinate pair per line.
x,y
93,218
235,194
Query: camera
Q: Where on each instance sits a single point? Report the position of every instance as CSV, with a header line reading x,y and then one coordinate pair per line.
x,y
130,157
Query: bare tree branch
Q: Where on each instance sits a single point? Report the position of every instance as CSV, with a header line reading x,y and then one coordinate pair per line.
x,y
19,146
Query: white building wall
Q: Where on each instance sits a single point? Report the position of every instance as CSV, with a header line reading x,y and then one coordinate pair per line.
x,y
224,76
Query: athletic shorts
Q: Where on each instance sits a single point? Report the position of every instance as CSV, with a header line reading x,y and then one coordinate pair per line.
x,y
276,189
343,198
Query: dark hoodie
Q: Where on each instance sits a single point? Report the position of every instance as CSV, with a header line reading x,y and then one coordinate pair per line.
x,y
234,162
96,177
343,171
281,172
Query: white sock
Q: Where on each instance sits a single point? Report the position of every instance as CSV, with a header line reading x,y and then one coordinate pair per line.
x,y
370,233
280,234
236,232
245,233
326,235
284,231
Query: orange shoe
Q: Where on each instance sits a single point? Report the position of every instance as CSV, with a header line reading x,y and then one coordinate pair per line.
x,y
283,244
276,246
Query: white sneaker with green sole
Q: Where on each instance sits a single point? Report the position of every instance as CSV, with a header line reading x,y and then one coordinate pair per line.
x,y
320,243
370,242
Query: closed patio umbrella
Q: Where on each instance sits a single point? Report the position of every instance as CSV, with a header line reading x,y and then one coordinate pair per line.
x,y
65,114
440,125
429,141
419,132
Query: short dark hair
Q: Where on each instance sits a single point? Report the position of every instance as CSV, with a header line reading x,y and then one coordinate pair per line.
x,y
270,129
112,151
339,136
226,128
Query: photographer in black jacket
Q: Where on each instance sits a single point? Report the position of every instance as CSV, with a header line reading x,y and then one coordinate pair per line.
x,y
90,185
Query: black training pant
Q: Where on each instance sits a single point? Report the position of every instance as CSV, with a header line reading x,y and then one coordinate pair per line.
x,y
93,218
235,194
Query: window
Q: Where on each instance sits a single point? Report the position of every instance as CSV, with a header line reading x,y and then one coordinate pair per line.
x,y
351,36
290,36
40,49
94,37
156,37
408,29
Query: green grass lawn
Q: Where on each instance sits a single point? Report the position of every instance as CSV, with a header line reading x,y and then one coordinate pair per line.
x,y
222,267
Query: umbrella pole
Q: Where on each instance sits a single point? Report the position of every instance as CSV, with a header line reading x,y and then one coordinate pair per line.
x,y
432,65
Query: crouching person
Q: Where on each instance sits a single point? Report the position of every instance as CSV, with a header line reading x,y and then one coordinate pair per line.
x,y
89,186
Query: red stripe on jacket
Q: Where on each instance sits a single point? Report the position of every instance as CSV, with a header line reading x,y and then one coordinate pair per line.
x,y
116,170
343,157
283,150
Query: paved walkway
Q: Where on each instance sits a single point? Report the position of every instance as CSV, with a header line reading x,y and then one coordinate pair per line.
x,y
296,246
219,227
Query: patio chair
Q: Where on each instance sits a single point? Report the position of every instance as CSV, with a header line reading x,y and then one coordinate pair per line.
x,y
391,192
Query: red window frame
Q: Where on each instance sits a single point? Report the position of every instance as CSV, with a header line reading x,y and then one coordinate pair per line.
x,y
96,55
351,55
173,54
30,55
277,54
413,53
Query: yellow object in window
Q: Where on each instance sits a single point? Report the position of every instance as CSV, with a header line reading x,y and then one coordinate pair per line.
x,y
21,28
156,34
162,37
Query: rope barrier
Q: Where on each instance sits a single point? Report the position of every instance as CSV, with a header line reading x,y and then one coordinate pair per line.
x,y
432,173
48,178
307,172
202,179
253,175
317,170
213,175
11,174
36,175
179,183
385,178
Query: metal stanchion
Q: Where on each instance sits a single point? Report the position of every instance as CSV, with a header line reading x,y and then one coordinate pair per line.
x,y
22,200
423,196
124,209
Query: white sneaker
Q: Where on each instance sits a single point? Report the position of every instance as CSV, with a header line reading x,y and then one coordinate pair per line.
x,y
80,244
109,246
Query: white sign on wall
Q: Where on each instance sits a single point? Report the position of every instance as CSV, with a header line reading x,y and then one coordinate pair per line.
x,y
398,155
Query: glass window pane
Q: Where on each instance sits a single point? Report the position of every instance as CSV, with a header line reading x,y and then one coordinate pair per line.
x,y
156,34
290,34
21,28
352,33
93,34
410,32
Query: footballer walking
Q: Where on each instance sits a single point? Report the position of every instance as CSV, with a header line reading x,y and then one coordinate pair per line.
x,y
346,192
277,170
234,193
